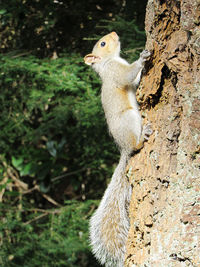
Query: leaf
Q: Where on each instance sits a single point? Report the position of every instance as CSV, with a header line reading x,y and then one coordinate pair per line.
x,y
26,170
17,162
51,148
2,11
44,188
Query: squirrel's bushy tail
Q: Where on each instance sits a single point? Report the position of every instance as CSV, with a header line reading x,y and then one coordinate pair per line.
x,y
109,225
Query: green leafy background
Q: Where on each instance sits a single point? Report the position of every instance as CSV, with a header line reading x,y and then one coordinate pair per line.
x,y
56,156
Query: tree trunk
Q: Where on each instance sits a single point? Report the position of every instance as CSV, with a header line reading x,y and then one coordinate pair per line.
x,y
165,206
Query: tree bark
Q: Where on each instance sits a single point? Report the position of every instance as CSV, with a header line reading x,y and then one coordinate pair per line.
x,y
165,205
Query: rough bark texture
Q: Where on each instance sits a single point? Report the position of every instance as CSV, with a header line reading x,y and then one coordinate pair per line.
x,y
165,206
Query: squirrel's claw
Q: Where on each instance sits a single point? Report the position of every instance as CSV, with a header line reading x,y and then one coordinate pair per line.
x,y
147,131
145,54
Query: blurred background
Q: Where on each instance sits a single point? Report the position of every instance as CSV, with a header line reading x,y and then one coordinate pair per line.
x,y
56,156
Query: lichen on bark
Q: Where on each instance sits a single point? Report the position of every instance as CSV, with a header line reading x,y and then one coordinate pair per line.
x,y
165,205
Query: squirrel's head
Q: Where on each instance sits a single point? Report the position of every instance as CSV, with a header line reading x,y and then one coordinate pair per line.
x,y
107,47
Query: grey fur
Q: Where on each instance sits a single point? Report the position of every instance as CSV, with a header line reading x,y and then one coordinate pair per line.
x,y
109,225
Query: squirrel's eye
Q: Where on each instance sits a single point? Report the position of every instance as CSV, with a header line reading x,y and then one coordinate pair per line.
x,y
103,44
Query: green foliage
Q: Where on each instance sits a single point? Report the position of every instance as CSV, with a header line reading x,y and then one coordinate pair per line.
x,y
56,237
54,144
53,123
47,26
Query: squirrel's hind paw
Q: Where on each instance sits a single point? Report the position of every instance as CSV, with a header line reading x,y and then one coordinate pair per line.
x,y
147,131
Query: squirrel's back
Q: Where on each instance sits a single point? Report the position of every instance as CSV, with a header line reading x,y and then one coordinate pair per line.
x,y
121,110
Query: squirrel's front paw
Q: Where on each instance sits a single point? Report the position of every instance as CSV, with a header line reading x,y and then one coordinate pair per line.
x,y
147,131
145,55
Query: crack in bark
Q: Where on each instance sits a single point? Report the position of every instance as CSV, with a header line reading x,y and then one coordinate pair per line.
x,y
155,99
180,258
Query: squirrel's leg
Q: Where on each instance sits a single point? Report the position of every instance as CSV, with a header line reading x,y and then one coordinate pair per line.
x,y
137,79
137,66
146,132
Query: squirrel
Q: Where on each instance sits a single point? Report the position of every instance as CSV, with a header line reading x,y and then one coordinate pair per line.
x,y
109,225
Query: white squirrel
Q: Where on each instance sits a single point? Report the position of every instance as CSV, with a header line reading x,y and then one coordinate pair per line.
x,y
109,225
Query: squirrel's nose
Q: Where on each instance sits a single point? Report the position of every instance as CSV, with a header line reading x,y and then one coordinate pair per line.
x,y
114,35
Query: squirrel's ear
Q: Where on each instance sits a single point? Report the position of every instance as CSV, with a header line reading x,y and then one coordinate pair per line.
x,y
91,58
